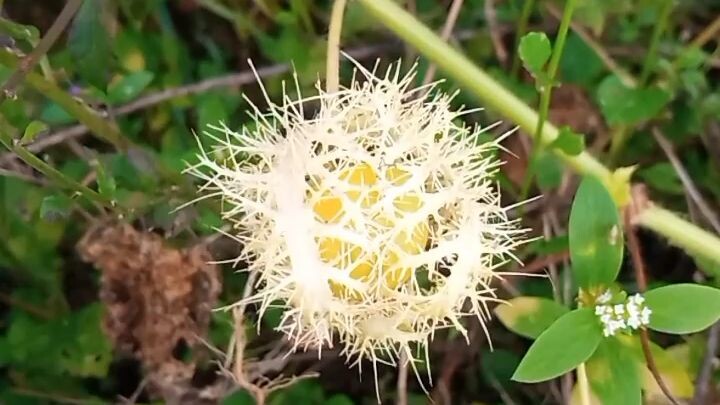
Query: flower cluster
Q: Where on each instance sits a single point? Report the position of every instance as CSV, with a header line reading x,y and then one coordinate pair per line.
x,y
375,222
626,316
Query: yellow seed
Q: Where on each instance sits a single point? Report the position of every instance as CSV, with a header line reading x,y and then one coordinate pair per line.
x,y
329,208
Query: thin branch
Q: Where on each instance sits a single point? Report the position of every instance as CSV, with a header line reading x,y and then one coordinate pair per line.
x,y
27,63
641,278
445,35
704,377
495,37
687,182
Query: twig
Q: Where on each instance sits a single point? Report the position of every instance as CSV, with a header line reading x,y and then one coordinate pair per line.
x,y
402,397
687,182
543,262
495,37
704,377
27,63
445,35
641,278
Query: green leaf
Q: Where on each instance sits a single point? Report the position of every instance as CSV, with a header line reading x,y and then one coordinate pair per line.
x,y
683,308
529,316
89,43
568,141
579,63
535,50
338,399
106,183
55,207
27,33
498,366
662,177
238,398
624,105
569,341
32,130
613,371
595,235
129,87
548,170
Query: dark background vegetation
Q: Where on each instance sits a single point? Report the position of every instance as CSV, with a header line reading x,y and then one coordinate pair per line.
x,y
148,67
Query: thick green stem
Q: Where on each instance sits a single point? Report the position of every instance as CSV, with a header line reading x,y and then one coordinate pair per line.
x,y
332,73
519,32
498,98
546,92
495,96
694,240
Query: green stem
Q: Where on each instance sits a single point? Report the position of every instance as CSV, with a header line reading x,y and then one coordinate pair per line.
x,y
546,92
519,32
660,27
332,71
503,101
97,124
681,233
583,385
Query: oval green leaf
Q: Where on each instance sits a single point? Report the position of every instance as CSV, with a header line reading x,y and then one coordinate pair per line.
x,y
129,87
613,371
535,50
683,308
529,316
569,341
625,105
595,235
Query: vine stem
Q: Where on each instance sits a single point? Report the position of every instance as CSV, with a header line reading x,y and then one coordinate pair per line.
x,y
332,71
496,97
583,385
546,92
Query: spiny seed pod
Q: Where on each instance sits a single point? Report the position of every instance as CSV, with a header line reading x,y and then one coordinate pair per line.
x,y
376,222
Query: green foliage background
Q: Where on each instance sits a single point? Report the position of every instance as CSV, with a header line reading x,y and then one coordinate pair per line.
x,y
117,53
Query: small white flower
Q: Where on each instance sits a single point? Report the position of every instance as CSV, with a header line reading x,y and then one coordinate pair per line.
x,y
605,297
645,316
627,316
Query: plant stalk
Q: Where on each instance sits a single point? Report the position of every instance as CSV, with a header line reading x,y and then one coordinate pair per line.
x,y
660,26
